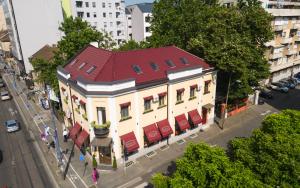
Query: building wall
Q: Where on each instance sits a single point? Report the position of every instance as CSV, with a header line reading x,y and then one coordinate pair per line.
x,y
137,24
35,28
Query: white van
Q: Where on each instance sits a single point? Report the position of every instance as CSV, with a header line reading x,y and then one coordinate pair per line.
x,y
4,95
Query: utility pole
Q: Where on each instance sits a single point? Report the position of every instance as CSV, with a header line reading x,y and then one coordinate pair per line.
x,y
57,147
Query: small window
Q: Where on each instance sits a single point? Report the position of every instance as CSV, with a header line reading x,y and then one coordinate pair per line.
x,y
124,112
137,69
170,63
88,14
103,5
110,15
91,69
161,101
206,86
147,105
81,66
104,15
86,4
147,29
95,14
192,92
184,61
73,62
94,4
80,14
154,66
147,19
179,96
79,4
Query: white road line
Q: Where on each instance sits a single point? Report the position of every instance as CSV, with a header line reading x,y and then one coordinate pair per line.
x,y
52,151
131,182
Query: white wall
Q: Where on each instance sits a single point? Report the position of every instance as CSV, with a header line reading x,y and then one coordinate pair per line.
x,y
137,24
37,25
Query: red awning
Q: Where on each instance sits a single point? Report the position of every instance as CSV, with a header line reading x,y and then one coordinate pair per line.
x,y
82,102
193,86
152,133
75,130
74,97
130,142
162,94
164,128
125,104
81,138
148,98
195,117
182,122
180,90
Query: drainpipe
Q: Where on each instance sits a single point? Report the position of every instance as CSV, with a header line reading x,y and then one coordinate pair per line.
x,y
73,121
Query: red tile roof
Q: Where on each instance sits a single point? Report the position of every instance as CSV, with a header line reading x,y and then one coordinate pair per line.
x,y
114,66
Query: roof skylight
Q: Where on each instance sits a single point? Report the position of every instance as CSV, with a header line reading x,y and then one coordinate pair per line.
x,y
137,69
170,63
91,69
73,62
184,61
154,66
82,65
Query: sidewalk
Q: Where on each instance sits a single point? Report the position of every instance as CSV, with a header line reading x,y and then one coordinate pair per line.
x,y
80,176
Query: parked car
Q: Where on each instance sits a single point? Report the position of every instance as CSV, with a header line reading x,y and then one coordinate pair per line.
x,y
279,87
12,125
5,95
2,84
45,103
297,75
287,84
266,94
295,81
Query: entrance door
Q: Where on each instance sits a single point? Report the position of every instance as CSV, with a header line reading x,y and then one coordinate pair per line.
x,y
204,115
104,154
101,115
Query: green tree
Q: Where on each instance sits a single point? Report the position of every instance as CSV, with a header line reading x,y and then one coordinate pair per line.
x,y
231,39
205,166
133,45
273,152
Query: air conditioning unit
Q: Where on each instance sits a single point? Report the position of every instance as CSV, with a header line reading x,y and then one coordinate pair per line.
x,y
155,98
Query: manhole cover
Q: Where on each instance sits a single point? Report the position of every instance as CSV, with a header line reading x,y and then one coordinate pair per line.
x,y
163,148
128,164
150,154
181,141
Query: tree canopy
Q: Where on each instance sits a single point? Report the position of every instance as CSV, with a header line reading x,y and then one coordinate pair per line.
x,y
77,34
133,45
232,39
269,158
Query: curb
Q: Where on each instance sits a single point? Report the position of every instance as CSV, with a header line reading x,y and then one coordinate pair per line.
x,y
37,147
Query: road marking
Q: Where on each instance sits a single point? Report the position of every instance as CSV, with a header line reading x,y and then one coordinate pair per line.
x,y
266,112
143,185
51,150
131,182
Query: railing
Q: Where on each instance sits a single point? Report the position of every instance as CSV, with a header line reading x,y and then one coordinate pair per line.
x,y
276,55
286,40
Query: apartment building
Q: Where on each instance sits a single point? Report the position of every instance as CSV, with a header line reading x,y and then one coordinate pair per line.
x,y
4,38
105,15
134,102
138,21
31,24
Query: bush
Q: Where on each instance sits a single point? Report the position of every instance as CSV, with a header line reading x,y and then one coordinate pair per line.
x,y
95,164
114,163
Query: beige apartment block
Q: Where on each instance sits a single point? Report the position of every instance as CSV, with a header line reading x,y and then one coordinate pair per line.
x,y
135,102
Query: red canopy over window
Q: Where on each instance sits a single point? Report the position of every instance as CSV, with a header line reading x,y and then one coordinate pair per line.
x,y
182,122
74,97
164,128
152,133
81,138
193,86
195,117
125,104
180,90
75,130
148,98
162,94
129,141
82,102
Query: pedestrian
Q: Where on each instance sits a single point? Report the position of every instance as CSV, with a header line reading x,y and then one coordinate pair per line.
x,y
65,134
95,176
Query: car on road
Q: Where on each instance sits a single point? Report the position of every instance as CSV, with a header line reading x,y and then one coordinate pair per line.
x,y
279,87
5,95
287,84
264,93
12,125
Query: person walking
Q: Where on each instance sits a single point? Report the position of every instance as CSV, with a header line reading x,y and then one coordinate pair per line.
x,y
65,134
95,176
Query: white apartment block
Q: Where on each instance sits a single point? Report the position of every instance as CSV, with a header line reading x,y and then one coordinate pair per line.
x,y
31,25
105,15
138,21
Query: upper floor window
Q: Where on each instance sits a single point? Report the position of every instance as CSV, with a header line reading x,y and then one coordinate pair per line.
x,y
147,29
93,4
147,19
179,95
170,63
147,104
110,15
125,110
184,61
104,15
88,14
193,91
80,14
95,14
87,4
137,69
103,5
206,86
161,100
109,5
79,4
154,66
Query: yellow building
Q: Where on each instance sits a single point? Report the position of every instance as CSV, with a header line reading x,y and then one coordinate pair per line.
x,y
136,101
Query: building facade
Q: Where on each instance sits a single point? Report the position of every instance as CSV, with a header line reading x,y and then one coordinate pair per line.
x,y
105,15
138,18
136,101
31,30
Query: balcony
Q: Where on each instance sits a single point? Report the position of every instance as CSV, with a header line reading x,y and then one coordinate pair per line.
x,y
286,40
291,51
276,55
101,131
297,38
278,27
295,26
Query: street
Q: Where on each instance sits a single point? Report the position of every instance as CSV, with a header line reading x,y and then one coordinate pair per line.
x,y
21,166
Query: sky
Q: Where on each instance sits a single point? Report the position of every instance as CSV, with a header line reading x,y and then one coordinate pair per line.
x,y
130,2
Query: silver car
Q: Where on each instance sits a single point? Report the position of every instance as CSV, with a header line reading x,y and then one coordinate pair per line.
x,y
5,95
12,126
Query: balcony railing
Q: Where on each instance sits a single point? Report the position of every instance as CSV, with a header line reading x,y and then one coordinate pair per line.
x,y
291,52
286,40
296,26
276,55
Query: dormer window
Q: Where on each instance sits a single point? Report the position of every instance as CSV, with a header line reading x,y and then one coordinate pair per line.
x,y
137,69
154,66
91,69
73,62
170,63
82,65
184,61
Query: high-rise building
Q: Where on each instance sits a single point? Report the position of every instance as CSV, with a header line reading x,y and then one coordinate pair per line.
x,y
138,21
31,25
105,15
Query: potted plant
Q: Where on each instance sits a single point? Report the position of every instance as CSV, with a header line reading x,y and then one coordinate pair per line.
x,y
95,164
114,163
101,130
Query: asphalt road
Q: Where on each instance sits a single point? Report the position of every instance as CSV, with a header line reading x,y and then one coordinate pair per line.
x,y
21,166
